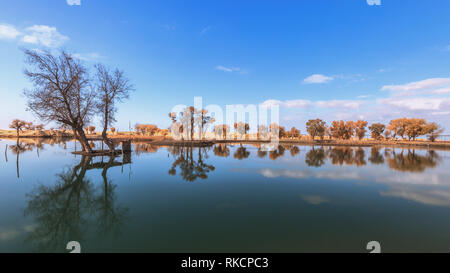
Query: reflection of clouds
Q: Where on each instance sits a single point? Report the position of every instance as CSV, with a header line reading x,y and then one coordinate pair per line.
x,y
272,173
425,188
413,179
339,175
427,196
6,235
314,199
299,174
11,234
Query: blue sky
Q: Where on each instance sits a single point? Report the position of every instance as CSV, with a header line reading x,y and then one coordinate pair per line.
x,y
330,59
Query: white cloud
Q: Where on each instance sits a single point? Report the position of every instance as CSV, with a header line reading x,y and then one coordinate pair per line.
x,y
8,32
169,27
420,85
417,103
73,2
344,104
44,35
204,30
270,103
230,69
364,96
317,78
87,56
297,103
349,104
443,90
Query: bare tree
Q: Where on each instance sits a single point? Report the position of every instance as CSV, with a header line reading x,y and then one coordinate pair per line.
x,y
112,87
61,91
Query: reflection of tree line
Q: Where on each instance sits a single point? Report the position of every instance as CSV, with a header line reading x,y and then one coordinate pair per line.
x,y
191,162
62,211
28,145
408,161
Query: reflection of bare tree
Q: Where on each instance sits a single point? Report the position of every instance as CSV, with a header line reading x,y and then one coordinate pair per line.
x,y
221,150
110,216
241,153
64,211
18,149
375,156
315,157
412,162
190,168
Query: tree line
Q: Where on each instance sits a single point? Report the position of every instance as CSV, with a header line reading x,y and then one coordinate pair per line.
x,y
21,125
409,128
190,119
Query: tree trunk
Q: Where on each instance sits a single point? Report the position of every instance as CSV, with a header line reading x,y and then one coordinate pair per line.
x,y
108,141
79,134
105,138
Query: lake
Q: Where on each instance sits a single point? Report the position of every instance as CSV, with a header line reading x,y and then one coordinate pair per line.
x,y
225,198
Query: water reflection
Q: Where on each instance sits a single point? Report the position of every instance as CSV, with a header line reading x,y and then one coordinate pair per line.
x,y
191,162
241,153
24,145
304,180
221,150
315,157
410,161
375,156
65,210
142,147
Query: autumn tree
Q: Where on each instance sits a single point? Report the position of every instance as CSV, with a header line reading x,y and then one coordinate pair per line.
x,y
113,130
360,129
40,127
349,129
337,129
316,127
112,88
191,118
221,130
61,91
263,132
18,125
241,128
398,127
29,126
415,127
203,120
377,130
294,133
433,130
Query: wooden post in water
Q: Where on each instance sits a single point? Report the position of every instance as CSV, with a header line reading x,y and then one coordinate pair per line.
x,y
6,152
126,146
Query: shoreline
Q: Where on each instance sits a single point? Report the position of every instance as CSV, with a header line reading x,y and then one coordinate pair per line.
x,y
161,141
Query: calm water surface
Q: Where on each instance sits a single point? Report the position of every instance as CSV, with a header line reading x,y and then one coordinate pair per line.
x,y
223,199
